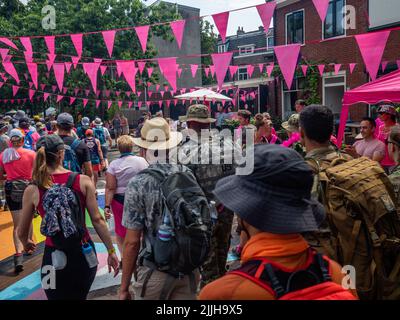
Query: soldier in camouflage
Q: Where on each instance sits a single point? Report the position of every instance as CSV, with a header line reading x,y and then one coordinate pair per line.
x,y
210,158
394,152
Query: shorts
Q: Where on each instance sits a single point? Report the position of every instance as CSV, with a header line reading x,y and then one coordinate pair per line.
x,y
118,210
104,149
13,204
96,167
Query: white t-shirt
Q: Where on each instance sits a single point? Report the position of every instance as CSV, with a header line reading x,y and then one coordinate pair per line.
x,y
124,169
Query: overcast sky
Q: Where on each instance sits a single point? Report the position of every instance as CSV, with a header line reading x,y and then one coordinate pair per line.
x,y
249,18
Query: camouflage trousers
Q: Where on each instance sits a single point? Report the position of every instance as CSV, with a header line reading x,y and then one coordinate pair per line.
x,y
215,266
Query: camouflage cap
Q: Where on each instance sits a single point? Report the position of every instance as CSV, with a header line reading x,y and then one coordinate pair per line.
x,y
389,109
198,113
293,124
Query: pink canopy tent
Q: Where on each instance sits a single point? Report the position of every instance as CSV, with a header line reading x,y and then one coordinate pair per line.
x,y
384,89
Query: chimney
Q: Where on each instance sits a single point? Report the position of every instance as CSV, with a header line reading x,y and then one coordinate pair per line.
x,y
240,31
260,28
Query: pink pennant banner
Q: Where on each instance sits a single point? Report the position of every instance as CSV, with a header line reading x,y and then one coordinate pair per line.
x,y
221,22
398,64
130,104
143,34
10,69
266,12
107,93
71,100
129,70
97,103
321,69
103,70
179,73
148,103
250,70
84,101
8,42
128,93
337,68
77,41
75,61
212,70
54,88
76,90
233,70
372,46
109,38
15,90
26,42
270,68
384,65
119,104
304,69
160,104
322,8
50,43
4,53
87,92
141,66
30,84
33,71
50,61
149,72
43,86
65,90
261,67
352,66
178,28
162,94
117,93
168,68
91,69
287,57
59,98
140,103
68,66
28,56
194,68
157,87
207,71
221,62
31,94
59,69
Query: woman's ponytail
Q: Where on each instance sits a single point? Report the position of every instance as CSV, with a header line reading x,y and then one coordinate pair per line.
x,y
41,174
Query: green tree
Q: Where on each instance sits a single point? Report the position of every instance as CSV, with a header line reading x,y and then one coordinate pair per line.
x,y
208,45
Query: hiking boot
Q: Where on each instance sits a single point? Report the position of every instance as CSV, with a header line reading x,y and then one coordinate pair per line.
x,y
18,263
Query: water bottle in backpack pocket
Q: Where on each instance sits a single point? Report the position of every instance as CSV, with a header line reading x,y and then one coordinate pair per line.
x,y
164,242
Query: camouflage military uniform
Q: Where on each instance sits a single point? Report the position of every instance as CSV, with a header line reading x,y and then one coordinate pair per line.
x,y
395,179
320,159
207,176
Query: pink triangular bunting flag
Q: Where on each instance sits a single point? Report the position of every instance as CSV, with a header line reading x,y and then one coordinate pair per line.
x,y
250,70
130,104
168,69
270,68
384,65
84,101
261,67
8,42
10,69
266,12
129,70
233,70
372,46
321,69
178,28
75,61
352,66
26,42
103,70
50,42
287,57
59,98
109,37
15,90
141,66
337,68
97,103
221,62
194,68
91,69
42,86
149,72
77,41
221,22
207,71
71,100
322,8
68,66
179,73
59,74
143,34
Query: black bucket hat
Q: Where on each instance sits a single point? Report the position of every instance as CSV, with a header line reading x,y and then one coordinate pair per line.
x,y
276,197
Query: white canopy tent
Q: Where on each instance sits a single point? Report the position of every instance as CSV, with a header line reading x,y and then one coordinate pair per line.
x,y
204,95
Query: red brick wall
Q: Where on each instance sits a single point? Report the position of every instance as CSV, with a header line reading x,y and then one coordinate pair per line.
x,y
341,50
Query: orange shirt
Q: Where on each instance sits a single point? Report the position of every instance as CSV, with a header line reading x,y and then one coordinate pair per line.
x,y
21,168
289,251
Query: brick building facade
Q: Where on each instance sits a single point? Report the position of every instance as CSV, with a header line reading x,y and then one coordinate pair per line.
x,y
331,43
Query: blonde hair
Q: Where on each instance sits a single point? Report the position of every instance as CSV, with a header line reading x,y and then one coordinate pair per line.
x,y
125,144
41,175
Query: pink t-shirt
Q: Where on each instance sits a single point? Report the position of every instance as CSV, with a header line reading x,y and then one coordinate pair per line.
x,y
21,168
387,160
369,148
124,169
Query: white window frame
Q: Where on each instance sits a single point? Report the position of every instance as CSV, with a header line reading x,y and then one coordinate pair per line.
x,y
344,27
283,91
222,48
268,47
304,25
242,74
330,85
246,48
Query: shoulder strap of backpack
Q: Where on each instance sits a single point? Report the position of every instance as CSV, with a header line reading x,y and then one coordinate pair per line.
x,y
71,179
75,144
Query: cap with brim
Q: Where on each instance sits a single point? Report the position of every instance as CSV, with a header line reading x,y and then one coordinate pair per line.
x,y
288,127
271,206
51,143
157,135
197,113
98,122
65,118
387,109
16,133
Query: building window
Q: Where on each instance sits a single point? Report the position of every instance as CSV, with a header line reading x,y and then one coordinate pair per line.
x,y
270,42
295,27
289,96
222,48
334,22
246,50
334,88
243,74
383,14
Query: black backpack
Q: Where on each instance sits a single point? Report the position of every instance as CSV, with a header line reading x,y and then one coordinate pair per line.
x,y
185,206
63,205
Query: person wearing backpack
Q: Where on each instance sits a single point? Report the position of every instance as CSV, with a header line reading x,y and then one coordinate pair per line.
x,y
362,228
84,125
103,135
96,156
207,175
274,208
77,154
166,206
61,198
393,144
30,134
16,163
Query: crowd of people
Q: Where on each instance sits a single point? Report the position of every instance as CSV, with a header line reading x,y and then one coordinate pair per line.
x,y
306,210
